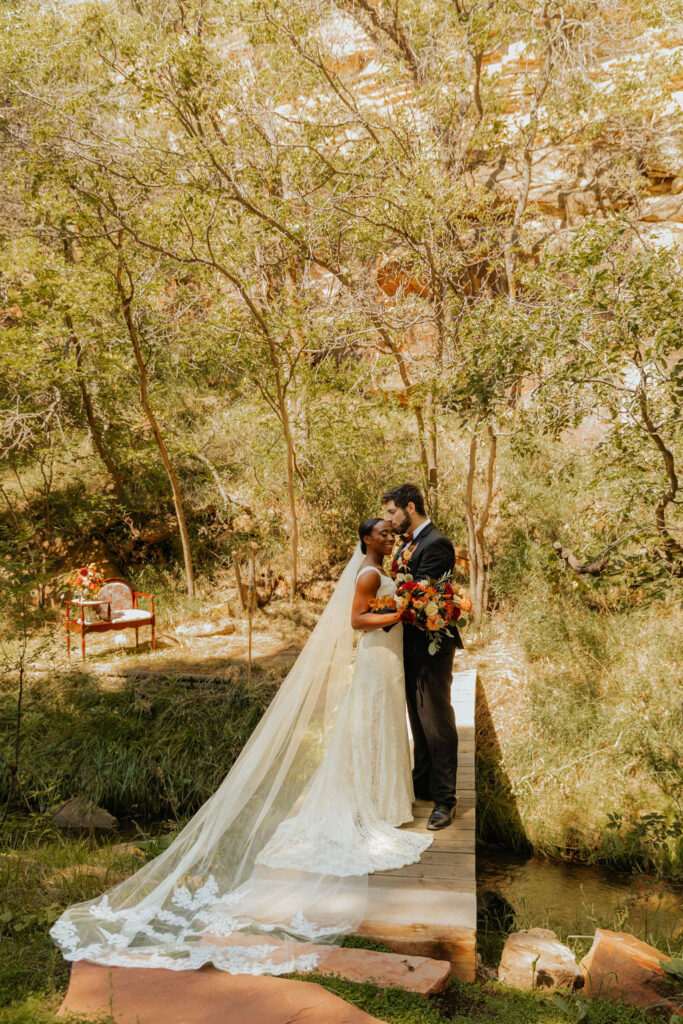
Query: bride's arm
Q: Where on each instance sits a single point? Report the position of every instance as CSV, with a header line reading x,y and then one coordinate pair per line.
x,y
361,616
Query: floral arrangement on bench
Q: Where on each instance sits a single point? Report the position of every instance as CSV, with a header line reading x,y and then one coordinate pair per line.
x,y
85,583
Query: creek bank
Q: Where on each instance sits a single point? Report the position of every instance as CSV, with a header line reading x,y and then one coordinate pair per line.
x,y
525,891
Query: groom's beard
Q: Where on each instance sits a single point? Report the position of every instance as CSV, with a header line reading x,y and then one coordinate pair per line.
x,y
404,525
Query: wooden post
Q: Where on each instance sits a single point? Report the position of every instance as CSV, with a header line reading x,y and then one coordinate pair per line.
x,y
251,601
238,578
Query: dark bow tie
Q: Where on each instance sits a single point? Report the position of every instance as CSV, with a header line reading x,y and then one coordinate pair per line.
x,y
407,538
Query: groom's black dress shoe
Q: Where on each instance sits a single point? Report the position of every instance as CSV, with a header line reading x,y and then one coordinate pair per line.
x,y
440,817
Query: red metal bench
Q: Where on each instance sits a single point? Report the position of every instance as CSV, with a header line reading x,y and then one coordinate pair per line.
x,y
116,607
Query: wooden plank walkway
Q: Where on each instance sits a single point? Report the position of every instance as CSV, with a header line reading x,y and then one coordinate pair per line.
x,y
430,908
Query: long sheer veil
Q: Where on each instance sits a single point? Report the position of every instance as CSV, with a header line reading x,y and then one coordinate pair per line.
x,y
206,899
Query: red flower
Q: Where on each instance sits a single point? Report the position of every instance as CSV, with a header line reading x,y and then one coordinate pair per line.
x,y
410,585
394,566
448,590
408,617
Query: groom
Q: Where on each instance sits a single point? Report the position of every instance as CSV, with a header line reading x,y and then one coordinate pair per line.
x,y
428,676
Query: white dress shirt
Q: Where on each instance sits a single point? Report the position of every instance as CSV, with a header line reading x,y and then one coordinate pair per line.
x,y
420,527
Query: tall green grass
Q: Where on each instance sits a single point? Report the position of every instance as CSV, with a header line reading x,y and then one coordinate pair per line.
x,y
149,749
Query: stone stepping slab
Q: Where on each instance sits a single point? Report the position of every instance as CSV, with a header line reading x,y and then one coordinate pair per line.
x,y
144,995
419,974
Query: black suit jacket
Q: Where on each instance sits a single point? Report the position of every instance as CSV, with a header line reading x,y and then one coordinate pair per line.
x,y
433,557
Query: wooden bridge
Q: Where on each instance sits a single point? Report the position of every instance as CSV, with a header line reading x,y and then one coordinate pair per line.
x,y
430,908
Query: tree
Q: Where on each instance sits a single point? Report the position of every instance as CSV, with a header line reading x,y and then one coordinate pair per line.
x,y
611,323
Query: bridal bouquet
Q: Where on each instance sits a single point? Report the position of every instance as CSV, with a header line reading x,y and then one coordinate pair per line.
x,y
431,605
86,583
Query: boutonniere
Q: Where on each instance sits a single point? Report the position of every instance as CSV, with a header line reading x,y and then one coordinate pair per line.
x,y
401,563
407,553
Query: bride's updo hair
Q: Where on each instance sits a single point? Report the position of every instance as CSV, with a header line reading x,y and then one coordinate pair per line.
x,y
366,527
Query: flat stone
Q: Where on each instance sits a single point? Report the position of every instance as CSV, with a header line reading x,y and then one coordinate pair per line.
x,y
536,959
156,996
620,968
419,974
218,627
413,973
79,812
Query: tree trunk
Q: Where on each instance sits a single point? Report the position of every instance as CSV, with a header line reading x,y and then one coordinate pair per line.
x,y
432,457
214,473
291,459
93,426
429,468
476,525
126,305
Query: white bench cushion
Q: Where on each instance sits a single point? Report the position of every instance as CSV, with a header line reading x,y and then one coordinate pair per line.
x,y
131,616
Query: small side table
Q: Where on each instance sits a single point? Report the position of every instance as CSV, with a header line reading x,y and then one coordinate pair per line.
x,y
80,625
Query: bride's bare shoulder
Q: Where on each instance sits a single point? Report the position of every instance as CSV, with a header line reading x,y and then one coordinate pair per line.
x,y
368,579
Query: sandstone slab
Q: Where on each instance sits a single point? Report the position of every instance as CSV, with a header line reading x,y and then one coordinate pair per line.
x,y
536,959
666,208
620,968
206,628
420,974
413,973
157,996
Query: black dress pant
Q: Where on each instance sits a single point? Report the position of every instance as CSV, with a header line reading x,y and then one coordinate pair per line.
x,y
432,719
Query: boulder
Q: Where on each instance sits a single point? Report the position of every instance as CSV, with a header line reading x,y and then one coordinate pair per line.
x,y
664,158
79,812
536,959
208,627
144,995
621,968
665,208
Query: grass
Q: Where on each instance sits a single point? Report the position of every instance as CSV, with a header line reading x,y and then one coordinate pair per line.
x,y
469,1004
41,873
582,757
35,1010
147,749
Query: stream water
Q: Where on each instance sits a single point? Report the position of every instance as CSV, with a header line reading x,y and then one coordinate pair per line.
x,y
574,899
518,891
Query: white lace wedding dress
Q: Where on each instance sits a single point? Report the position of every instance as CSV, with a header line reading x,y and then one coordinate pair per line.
x,y
346,822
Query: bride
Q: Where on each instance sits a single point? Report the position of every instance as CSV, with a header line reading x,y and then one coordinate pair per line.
x,y
276,862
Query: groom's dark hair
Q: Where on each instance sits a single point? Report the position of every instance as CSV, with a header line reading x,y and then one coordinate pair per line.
x,y
403,495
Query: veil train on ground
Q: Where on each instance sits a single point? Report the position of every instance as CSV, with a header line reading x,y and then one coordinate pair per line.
x,y
208,898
